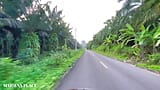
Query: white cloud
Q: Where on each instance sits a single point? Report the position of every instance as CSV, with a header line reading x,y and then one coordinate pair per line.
x,y
87,16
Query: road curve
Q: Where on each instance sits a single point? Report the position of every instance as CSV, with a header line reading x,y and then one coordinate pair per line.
x,y
97,72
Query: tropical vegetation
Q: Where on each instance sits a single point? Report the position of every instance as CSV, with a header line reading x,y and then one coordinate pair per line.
x,y
133,35
44,73
35,44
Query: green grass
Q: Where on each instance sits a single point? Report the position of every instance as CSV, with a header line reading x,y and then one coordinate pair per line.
x,y
44,73
113,55
121,57
149,67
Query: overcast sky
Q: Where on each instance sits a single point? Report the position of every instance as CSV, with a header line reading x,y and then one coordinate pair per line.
x,y
87,16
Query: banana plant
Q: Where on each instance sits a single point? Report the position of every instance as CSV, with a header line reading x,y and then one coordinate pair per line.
x,y
141,39
126,35
144,37
156,38
110,39
148,38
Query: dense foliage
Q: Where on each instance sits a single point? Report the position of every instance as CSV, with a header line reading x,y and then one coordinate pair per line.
x,y
35,44
30,27
133,34
43,73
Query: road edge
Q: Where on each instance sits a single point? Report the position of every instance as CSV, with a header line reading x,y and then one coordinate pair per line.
x,y
148,70
66,73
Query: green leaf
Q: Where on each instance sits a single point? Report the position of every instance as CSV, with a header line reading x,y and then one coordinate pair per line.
x,y
129,27
157,33
142,28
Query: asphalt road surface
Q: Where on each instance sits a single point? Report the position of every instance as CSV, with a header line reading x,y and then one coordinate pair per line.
x,y
97,72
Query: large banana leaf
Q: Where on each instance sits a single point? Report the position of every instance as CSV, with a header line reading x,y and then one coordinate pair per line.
x,y
10,22
157,33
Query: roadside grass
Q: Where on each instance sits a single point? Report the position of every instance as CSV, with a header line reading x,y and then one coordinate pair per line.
x,y
149,67
123,57
113,55
44,73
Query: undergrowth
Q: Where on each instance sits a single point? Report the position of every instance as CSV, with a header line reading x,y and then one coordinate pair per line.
x,y
44,73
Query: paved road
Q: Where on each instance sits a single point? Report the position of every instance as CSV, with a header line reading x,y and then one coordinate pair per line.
x,y
96,72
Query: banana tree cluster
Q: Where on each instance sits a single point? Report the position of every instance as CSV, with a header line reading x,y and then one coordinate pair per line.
x,y
26,25
135,26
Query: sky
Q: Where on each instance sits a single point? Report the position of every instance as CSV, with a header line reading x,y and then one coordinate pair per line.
x,y
87,17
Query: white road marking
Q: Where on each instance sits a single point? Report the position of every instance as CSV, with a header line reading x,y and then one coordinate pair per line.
x,y
103,64
96,57
125,62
